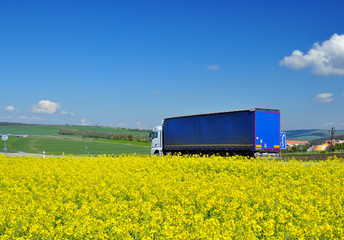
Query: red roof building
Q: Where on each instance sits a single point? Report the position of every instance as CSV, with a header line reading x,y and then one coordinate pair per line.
x,y
294,142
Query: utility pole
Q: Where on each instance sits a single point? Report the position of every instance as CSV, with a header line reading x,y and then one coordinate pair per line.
x,y
332,131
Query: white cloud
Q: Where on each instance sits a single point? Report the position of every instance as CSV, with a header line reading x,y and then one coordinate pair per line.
x,y
325,59
329,124
138,125
45,106
213,67
324,97
84,122
31,118
67,113
9,108
332,124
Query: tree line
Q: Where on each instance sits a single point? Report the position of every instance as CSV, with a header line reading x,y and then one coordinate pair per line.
x,y
336,147
103,135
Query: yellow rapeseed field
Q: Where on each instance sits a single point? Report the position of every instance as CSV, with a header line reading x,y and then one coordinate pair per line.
x,y
170,197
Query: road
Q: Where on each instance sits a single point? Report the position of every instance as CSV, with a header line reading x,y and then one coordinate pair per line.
x,y
22,154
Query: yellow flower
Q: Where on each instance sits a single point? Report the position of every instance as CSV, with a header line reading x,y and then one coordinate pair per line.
x,y
170,197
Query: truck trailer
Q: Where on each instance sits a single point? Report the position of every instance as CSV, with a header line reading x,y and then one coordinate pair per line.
x,y
250,132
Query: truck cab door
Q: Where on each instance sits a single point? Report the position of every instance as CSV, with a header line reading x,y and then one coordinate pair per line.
x,y
156,139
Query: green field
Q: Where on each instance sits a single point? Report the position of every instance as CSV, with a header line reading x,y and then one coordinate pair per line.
x,y
46,138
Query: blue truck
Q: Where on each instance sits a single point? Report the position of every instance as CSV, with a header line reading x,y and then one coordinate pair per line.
x,y
249,132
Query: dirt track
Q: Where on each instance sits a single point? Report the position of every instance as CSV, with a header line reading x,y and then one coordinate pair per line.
x,y
313,157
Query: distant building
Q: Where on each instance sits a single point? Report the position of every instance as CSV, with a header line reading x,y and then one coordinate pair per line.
x,y
333,141
291,143
321,147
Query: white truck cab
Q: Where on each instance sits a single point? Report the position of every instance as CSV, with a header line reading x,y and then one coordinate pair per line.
x,y
156,137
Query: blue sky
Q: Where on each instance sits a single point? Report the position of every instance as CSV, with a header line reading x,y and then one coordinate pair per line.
x,y
132,63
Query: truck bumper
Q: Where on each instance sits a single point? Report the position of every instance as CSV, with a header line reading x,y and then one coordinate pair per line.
x,y
268,155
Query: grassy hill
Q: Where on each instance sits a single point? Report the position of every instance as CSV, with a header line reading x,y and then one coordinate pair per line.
x,y
310,134
52,130
47,138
